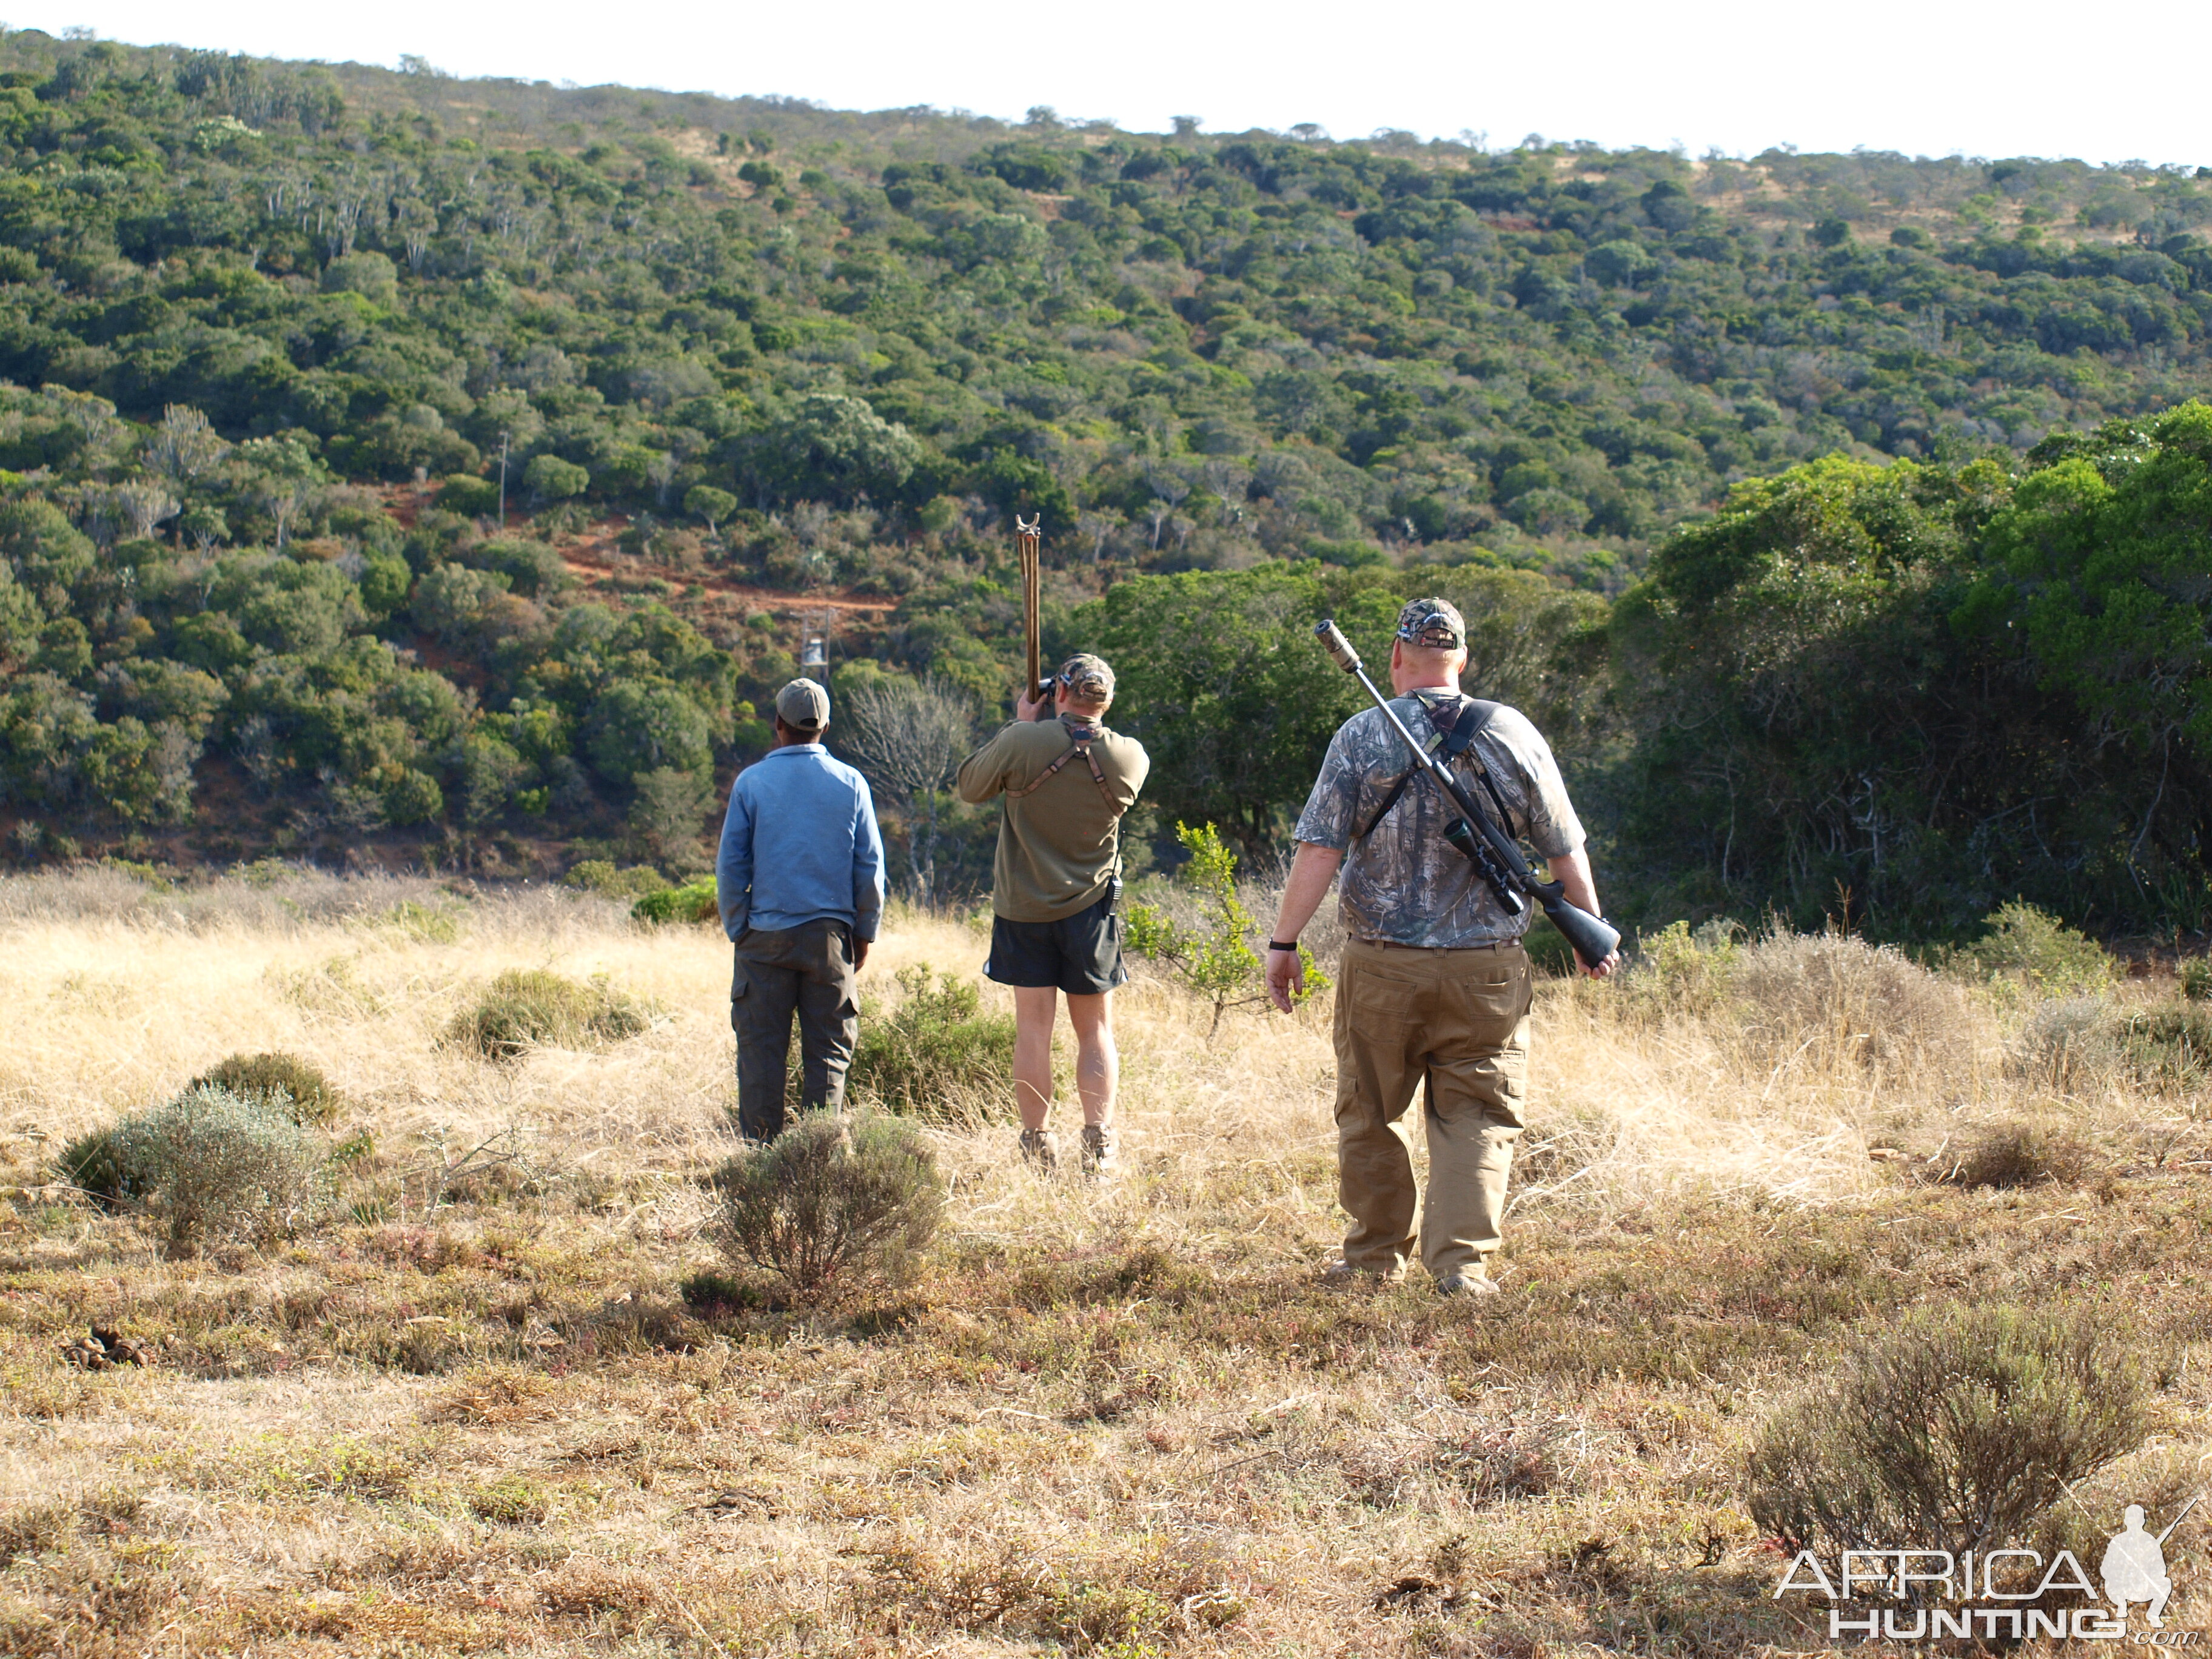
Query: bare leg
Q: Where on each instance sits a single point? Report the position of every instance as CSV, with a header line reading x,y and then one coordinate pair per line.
x,y
1097,1062
1035,1008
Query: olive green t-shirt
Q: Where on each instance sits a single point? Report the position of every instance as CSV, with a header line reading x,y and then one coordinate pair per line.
x,y
1058,847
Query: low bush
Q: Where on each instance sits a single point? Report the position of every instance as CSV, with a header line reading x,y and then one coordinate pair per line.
x,y
599,875
2034,948
935,1053
2168,1047
831,1200
2021,1155
2067,1043
211,1165
277,1079
694,901
2197,979
1678,969
526,1006
1956,1430
95,1164
1843,1003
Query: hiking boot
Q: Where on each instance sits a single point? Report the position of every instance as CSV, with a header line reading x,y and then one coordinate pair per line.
x,y
1098,1151
1475,1283
1041,1150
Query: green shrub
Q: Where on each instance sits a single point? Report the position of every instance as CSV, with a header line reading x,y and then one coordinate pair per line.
x,y
526,1006
470,497
2197,979
935,1053
694,901
1214,958
2168,1046
93,1164
1680,970
1956,1430
2035,948
212,1164
276,1079
599,875
833,1199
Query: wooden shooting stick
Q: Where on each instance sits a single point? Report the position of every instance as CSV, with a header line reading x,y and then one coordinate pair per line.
x,y
1025,546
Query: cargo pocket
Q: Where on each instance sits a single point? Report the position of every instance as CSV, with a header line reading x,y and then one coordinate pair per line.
x,y
738,987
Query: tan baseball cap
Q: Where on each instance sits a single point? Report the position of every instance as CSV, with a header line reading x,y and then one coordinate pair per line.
x,y
803,706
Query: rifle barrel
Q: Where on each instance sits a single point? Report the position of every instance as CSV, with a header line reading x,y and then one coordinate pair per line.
x,y
2179,1518
1592,937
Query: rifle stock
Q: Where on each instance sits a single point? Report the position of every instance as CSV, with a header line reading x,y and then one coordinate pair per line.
x,y
1506,868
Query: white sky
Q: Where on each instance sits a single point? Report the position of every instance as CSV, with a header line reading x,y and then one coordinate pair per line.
x,y
1932,78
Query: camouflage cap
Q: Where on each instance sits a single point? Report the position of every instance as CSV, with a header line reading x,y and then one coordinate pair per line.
x,y
803,705
1087,678
1435,624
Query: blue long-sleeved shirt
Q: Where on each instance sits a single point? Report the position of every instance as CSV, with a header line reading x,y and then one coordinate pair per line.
x,y
799,843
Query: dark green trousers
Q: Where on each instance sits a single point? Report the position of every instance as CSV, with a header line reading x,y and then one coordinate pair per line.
x,y
806,971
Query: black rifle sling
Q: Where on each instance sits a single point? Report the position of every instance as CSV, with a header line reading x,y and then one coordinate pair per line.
x,y
1474,715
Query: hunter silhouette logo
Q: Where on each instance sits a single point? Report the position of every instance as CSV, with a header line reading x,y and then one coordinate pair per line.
x,y
1935,1594
2134,1568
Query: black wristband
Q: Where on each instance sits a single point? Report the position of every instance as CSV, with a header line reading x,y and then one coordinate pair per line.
x,y
1277,945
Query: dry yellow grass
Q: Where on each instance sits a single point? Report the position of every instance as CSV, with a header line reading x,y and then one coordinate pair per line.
x,y
1114,1419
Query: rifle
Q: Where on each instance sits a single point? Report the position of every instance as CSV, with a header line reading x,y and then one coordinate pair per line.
x,y
1025,549
1492,850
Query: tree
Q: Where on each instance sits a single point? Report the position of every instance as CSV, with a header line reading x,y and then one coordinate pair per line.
x,y
185,446
549,478
1218,676
828,446
705,502
642,726
145,503
907,738
668,811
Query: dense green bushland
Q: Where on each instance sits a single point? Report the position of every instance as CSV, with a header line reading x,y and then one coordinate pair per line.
x,y
281,338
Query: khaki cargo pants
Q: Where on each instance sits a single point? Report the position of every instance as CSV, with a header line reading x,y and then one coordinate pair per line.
x,y
1456,1020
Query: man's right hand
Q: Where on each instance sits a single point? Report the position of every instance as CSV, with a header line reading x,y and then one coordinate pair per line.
x,y
1286,978
1026,708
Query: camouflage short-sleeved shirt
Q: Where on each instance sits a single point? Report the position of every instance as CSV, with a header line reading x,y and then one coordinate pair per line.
x,y
1403,882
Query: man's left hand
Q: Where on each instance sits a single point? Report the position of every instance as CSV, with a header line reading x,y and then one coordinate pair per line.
x,y
861,953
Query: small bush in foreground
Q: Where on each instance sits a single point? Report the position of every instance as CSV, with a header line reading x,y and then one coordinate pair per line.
x,y
304,1089
935,1052
694,901
525,1006
1957,1431
833,1199
211,1165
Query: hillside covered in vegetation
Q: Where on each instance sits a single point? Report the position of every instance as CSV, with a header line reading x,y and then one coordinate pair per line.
x,y
400,467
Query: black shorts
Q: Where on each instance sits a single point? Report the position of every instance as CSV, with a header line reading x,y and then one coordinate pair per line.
x,y
1080,954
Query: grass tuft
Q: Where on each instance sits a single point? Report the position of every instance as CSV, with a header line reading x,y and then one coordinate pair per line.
x,y
524,1007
